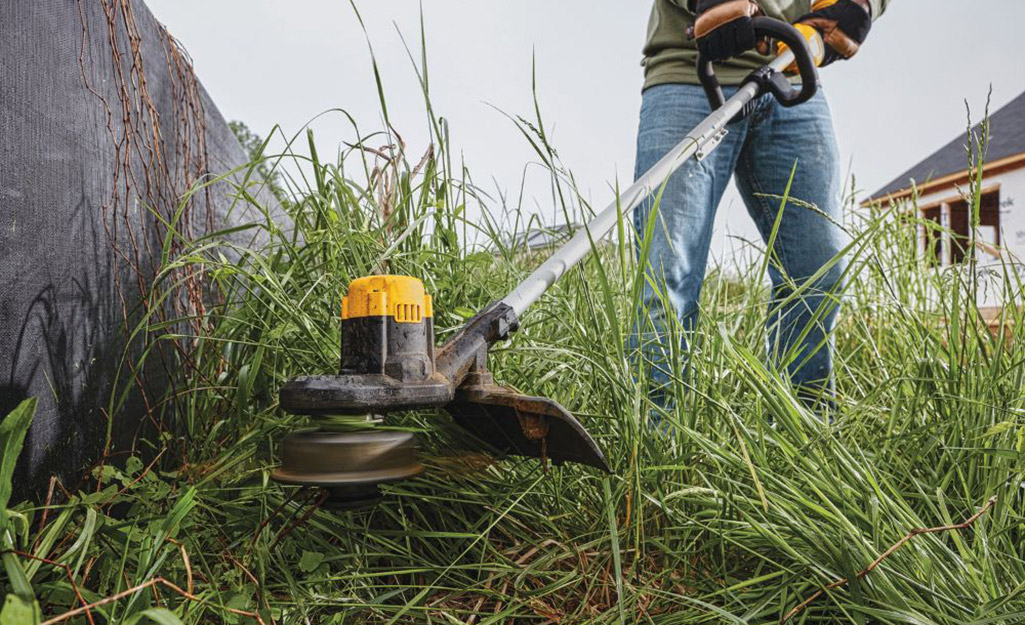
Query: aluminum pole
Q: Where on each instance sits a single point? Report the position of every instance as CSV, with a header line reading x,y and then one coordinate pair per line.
x,y
699,142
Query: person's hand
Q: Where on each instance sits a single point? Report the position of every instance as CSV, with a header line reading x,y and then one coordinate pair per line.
x,y
843,24
723,28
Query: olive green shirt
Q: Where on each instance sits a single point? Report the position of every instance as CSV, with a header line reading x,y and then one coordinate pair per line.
x,y
669,57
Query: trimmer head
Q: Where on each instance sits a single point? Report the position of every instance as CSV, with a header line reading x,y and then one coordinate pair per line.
x,y
350,465
389,363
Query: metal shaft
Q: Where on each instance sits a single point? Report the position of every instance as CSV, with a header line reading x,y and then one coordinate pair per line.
x,y
704,138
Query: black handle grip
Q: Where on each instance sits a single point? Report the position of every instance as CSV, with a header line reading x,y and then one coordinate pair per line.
x,y
769,81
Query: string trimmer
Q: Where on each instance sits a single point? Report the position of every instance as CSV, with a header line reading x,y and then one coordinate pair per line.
x,y
389,361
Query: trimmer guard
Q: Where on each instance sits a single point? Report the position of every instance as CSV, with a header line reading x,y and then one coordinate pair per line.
x,y
361,394
522,425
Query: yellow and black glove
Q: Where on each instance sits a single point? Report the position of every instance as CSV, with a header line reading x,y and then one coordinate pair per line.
x,y
843,24
723,28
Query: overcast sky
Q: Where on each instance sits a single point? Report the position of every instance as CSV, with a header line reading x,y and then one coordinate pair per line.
x,y
269,62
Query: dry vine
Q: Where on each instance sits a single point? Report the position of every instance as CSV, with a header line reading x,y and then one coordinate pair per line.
x,y
153,583
886,554
156,164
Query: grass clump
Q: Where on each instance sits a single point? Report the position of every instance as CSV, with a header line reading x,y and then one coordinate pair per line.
x,y
716,518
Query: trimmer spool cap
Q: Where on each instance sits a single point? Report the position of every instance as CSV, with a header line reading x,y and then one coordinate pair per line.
x,y
350,465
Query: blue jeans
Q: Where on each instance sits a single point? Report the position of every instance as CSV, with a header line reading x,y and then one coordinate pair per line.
x,y
761,151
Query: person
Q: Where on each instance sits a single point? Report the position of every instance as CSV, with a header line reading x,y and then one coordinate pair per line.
x,y
772,149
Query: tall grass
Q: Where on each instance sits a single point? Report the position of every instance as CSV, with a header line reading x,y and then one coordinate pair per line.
x,y
716,516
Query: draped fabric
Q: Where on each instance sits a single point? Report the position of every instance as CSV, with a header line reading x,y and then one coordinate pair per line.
x,y
104,128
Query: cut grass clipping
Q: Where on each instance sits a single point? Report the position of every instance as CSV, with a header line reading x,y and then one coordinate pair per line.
x,y
713,517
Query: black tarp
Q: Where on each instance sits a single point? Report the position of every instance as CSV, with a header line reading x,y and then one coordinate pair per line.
x,y
102,125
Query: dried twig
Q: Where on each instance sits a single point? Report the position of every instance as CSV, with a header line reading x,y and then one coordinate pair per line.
x,y
46,511
265,522
153,583
306,515
128,487
886,554
67,571
185,560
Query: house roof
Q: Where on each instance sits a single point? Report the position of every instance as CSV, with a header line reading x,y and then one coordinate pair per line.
x,y
1007,139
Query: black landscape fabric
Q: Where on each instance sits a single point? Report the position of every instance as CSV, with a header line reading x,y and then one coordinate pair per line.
x,y
103,125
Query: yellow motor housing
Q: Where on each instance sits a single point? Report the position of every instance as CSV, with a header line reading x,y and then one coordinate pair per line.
x,y
816,46
402,298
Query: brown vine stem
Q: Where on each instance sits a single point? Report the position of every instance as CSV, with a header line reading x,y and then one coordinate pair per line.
x,y
886,554
156,581
67,571
155,163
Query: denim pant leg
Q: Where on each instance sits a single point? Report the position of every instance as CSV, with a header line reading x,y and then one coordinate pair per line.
x,y
810,235
677,252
